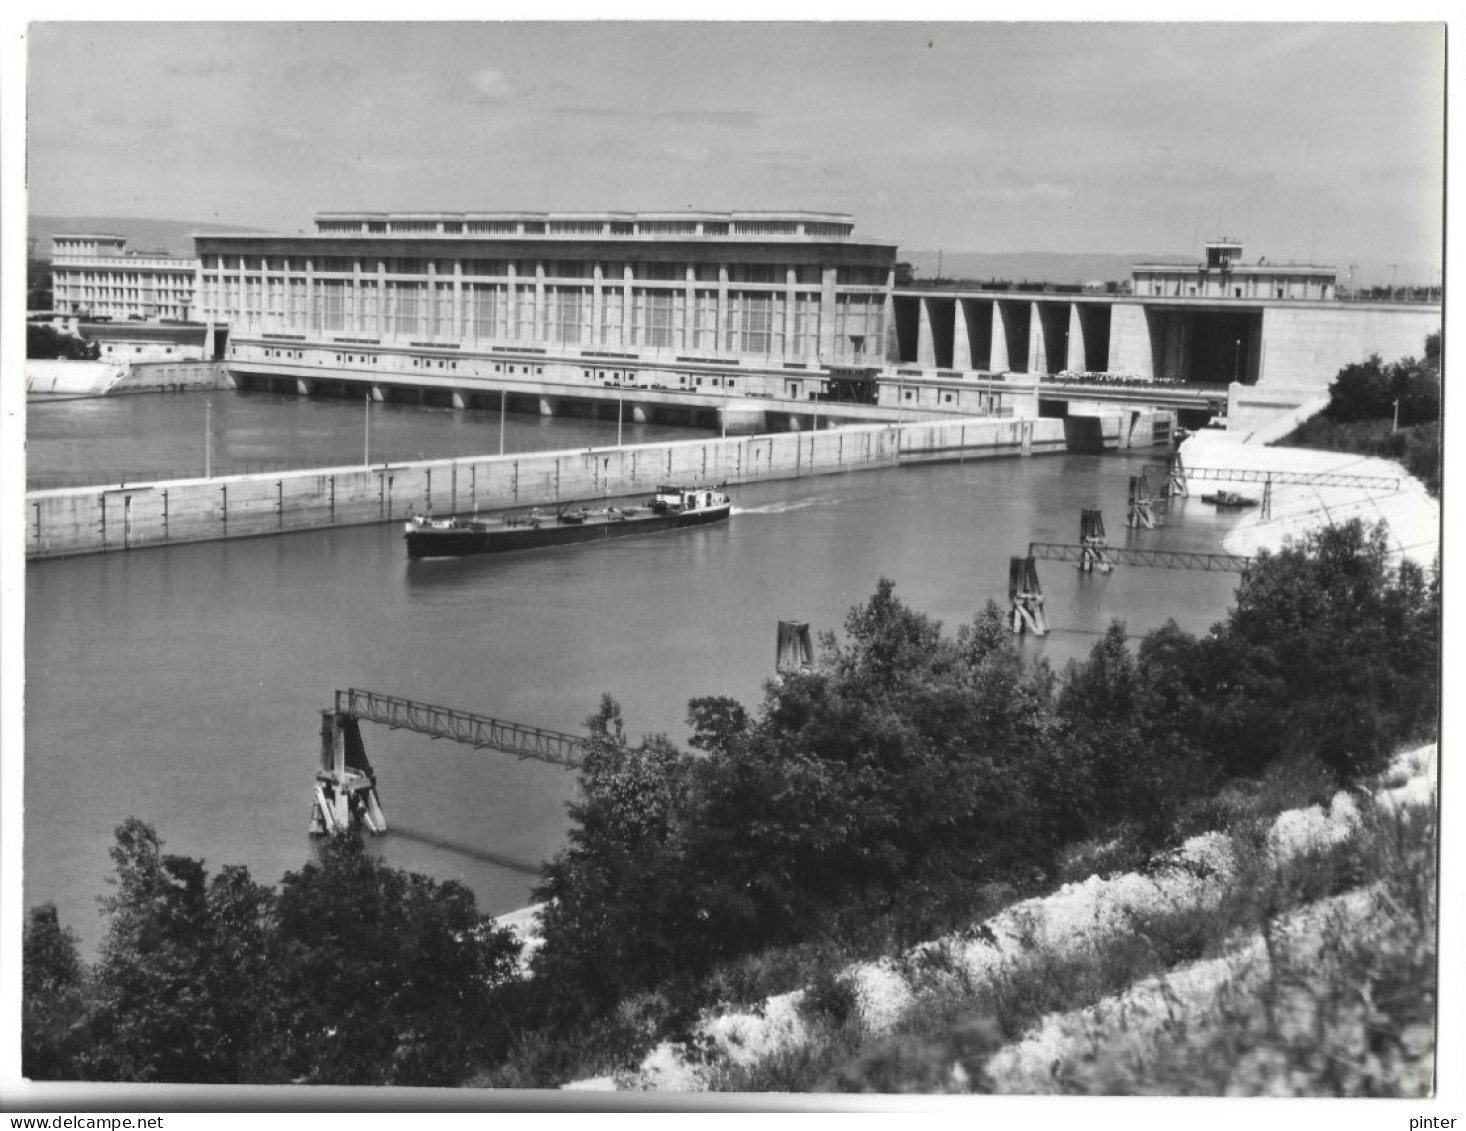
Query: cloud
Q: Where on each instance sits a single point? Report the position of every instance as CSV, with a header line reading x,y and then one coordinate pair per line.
x,y
490,85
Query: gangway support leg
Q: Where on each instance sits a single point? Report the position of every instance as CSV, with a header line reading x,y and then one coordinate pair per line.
x,y
1176,477
1025,598
345,793
1094,550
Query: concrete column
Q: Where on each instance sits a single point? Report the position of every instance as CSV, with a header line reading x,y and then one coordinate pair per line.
x,y
999,361
381,327
548,406
961,337
1076,353
460,399
303,387
689,313
1038,356
626,311
890,349
827,314
460,329
511,298
538,330
720,334
791,275
926,350
1130,344
378,394
638,414
597,302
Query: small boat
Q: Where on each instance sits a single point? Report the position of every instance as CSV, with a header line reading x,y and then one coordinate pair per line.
x,y
671,508
1229,499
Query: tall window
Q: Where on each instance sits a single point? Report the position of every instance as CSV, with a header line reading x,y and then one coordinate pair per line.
x,y
655,329
371,307
443,310
330,304
406,307
485,312
565,313
756,324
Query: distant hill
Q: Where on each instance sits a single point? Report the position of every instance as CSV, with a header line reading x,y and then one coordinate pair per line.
x,y
1033,266
171,236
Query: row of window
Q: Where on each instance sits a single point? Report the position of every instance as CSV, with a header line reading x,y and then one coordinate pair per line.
x,y
771,274
748,322
586,227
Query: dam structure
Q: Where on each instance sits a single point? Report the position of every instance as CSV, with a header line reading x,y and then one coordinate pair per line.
x,y
713,312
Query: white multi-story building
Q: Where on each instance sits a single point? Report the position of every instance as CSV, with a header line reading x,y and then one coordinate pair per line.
x,y
750,287
94,276
1222,274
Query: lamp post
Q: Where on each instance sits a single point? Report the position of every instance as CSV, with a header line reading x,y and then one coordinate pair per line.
x,y
503,411
208,440
618,418
1237,360
366,440
1396,427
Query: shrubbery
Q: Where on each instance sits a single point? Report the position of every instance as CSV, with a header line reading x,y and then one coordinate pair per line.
x,y
351,973
1362,414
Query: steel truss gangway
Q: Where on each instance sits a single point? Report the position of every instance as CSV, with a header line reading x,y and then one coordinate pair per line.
x,y
1305,478
1160,559
346,786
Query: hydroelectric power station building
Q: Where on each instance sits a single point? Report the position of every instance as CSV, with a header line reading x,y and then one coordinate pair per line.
x,y
701,308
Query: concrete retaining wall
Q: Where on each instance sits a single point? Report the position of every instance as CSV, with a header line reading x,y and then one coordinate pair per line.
x,y
174,376
132,516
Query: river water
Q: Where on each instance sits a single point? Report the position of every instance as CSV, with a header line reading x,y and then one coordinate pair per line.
x,y
184,685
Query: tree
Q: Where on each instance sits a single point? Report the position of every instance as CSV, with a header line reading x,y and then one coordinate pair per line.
x,y
1349,641
53,998
155,1019
46,343
1362,391
619,914
385,977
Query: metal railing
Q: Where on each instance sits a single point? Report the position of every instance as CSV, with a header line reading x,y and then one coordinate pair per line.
x,y
475,730
1162,559
1307,478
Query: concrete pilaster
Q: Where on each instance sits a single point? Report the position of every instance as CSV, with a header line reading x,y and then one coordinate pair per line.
x,y
689,314
511,297
790,276
1038,355
720,333
1076,353
999,361
597,302
1130,345
926,349
626,310
961,337
827,314
538,330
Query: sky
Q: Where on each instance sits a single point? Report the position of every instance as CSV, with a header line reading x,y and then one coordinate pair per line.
x,y
1317,143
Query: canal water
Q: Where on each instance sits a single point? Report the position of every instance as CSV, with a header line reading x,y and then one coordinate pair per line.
x,y
184,685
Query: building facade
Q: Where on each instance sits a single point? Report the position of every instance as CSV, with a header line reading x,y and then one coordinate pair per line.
x,y
1222,274
94,276
762,288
